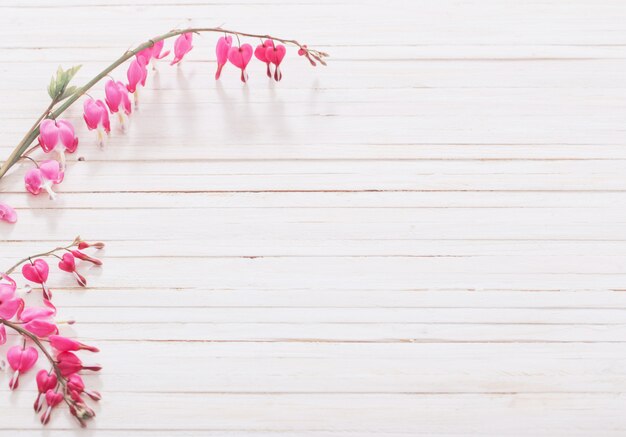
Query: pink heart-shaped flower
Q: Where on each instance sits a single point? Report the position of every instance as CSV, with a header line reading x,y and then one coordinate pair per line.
x,y
240,56
36,272
68,263
275,54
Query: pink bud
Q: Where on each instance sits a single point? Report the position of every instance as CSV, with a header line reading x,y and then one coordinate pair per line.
x,y
67,263
84,245
64,344
96,114
83,256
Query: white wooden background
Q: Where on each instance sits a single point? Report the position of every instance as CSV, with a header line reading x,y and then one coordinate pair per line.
x,y
428,237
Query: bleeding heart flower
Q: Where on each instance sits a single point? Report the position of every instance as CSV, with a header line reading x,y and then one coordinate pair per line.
x,y
259,53
21,359
7,213
9,303
136,74
53,398
68,363
46,380
96,116
275,54
37,271
84,245
68,264
240,57
57,134
116,95
76,386
39,321
221,51
151,53
47,174
182,46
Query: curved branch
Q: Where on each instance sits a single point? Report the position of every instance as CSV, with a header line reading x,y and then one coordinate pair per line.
x,y
34,131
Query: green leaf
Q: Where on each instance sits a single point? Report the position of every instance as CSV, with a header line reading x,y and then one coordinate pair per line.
x,y
58,88
68,92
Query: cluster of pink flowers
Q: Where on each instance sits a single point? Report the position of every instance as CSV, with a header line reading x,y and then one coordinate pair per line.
x,y
36,327
58,136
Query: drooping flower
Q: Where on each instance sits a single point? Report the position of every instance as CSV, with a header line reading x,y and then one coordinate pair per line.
x,y
38,321
57,135
76,387
7,213
151,53
259,53
117,97
240,57
53,398
275,54
68,264
37,272
221,51
182,46
9,303
48,173
64,344
21,359
46,380
136,74
96,116
68,363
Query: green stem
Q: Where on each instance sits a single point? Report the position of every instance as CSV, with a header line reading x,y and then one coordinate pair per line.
x,y
32,134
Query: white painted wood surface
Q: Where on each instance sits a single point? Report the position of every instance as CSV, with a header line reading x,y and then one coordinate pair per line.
x,y
427,237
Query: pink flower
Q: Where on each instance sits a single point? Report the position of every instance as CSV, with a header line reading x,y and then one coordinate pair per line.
x,y
47,174
53,398
221,51
96,116
151,53
259,53
39,321
76,386
136,74
37,271
9,303
240,57
7,213
116,95
45,381
68,264
275,54
69,363
64,344
182,46
57,134
21,359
